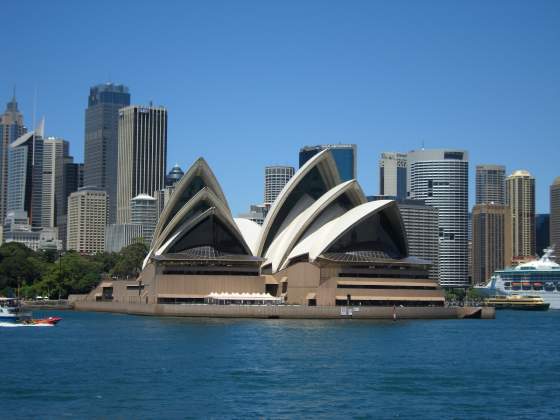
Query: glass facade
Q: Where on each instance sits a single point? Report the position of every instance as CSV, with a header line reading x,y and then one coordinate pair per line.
x,y
344,156
101,139
25,175
11,128
542,227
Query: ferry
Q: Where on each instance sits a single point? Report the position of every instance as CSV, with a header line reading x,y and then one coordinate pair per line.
x,y
526,303
539,278
11,311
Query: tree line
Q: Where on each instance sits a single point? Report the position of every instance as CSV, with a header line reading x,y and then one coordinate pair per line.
x,y
29,273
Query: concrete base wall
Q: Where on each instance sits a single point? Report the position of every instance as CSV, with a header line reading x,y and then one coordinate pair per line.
x,y
287,311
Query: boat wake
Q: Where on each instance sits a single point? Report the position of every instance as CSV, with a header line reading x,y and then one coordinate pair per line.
x,y
12,325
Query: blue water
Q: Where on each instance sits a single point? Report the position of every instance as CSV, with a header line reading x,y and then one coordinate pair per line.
x,y
95,365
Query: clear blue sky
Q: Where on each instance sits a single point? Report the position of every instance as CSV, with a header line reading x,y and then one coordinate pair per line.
x,y
247,83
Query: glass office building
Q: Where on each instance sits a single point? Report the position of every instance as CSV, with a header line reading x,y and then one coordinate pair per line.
x,y
344,156
101,139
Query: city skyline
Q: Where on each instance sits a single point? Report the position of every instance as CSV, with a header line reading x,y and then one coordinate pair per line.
x,y
345,87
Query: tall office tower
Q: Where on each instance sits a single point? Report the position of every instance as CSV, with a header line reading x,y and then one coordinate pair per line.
x,y
421,225
11,128
101,139
555,215
25,175
344,155
275,178
87,218
392,174
490,184
174,175
491,240
542,232
55,151
69,180
142,155
440,177
520,197
144,211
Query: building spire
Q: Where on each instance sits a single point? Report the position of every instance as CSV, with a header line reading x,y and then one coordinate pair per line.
x,y
12,105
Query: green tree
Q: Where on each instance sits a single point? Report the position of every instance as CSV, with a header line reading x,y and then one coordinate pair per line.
x,y
129,260
19,266
73,273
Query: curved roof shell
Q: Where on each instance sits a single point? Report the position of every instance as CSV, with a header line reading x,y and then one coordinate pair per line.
x,y
201,201
250,231
330,205
203,205
318,175
325,238
195,179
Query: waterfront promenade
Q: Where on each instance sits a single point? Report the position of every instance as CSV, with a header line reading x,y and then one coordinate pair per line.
x,y
287,311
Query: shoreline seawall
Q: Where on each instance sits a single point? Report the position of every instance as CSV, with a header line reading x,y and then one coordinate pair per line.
x,y
287,311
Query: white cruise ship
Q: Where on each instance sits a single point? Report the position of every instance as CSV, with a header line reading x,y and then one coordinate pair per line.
x,y
535,278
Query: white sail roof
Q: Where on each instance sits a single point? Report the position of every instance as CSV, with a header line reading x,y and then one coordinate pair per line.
x,y
287,205
321,240
307,219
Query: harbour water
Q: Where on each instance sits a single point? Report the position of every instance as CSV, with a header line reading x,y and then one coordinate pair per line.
x,y
99,365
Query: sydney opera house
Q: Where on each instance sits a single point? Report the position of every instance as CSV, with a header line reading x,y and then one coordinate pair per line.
x,y
322,243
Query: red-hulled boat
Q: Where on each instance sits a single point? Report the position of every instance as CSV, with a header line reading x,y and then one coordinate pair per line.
x,y
51,320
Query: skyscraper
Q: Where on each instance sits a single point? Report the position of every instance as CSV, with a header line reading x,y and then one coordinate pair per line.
x,y
275,178
421,225
491,240
555,215
144,211
490,184
11,128
490,219
344,156
440,177
520,197
101,139
542,232
87,218
25,175
55,150
392,174
142,155
69,180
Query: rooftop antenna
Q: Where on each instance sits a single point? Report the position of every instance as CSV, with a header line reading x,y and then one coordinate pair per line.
x,y
422,144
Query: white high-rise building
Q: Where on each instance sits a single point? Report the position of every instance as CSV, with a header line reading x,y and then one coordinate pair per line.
x,y
87,218
275,178
54,152
142,155
144,211
392,174
440,178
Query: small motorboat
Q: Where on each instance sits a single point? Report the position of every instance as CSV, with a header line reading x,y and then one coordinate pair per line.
x,y
51,320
